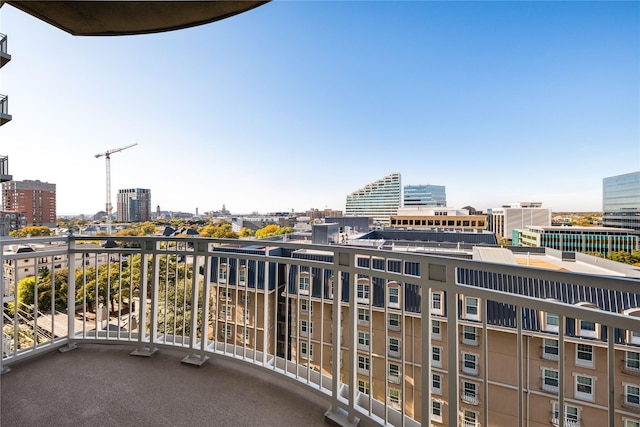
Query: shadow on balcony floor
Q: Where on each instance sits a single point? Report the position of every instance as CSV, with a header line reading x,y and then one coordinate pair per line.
x,y
102,385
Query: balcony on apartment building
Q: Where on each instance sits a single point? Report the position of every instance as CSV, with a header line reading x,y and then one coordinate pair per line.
x,y
4,110
253,322
4,53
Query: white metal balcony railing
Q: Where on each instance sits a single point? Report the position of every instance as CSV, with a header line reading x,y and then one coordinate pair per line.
x,y
470,398
568,422
160,292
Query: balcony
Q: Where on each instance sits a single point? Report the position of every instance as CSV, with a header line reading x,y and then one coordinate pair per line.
x,y
4,110
4,55
160,294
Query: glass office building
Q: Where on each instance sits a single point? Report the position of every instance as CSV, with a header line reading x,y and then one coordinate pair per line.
x,y
425,195
378,200
621,201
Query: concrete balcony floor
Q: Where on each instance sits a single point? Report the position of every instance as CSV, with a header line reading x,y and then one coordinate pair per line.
x,y
102,385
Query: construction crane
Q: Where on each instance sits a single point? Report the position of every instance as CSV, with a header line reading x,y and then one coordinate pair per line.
x,y
107,156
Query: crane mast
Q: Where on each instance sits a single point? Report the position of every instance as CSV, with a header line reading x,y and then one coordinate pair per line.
x,y
107,155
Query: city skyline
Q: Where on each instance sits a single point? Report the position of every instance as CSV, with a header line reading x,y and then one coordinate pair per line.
x,y
294,105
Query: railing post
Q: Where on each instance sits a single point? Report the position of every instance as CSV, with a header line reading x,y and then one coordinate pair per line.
x,y
453,358
3,284
200,357
147,349
71,294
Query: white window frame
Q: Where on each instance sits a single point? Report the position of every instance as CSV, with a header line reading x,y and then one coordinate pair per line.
x,y
246,298
584,387
394,373
588,332
634,394
226,312
436,303
436,329
306,328
571,415
581,361
436,413
364,316
226,294
393,296
553,355
242,276
364,364
363,292
436,356
246,315
304,283
227,330
222,273
394,398
550,380
470,335
394,321
554,324
363,387
469,392
467,360
469,418
632,363
472,308
634,337
246,335
364,340
306,306
631,423
394,347
306,350
436,378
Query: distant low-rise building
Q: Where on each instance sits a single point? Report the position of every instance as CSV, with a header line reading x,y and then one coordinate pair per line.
x,y
441,217
577,239
507,218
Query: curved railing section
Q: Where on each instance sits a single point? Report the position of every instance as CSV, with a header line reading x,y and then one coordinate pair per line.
x,y
397,338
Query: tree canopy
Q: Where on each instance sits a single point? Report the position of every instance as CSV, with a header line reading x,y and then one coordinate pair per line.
x,y
272,230
33,231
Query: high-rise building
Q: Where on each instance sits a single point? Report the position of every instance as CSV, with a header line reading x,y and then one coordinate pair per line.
x,y
134,205
504,220
36,199
425,195
378,200
621,201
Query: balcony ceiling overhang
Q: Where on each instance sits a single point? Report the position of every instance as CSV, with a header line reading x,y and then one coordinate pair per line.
x,y
116,18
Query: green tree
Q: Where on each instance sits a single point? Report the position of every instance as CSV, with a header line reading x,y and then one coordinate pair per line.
x,y
148,228
272,230
245,232
219,230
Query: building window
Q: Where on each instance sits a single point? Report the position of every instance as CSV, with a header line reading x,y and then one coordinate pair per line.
x,y
469,335
584,387
246,316
471,309
588,329
394,321
306,350
363,386
394,373
436,411
436,303
245,334
549,349
222,274
363,340
225,294
394,296
584,355
242,276
246,299
363,293
634,337
552,322
306,328
632,361
226,313
570,415
470,418
631,423
436,356
363,364
394,347
470,363
303,284
436,329
436,383
550,380
306,306
363,316
632,395
394,398
228,330
470,392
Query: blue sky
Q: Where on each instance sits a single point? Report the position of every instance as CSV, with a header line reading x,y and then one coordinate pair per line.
x,y
293,105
